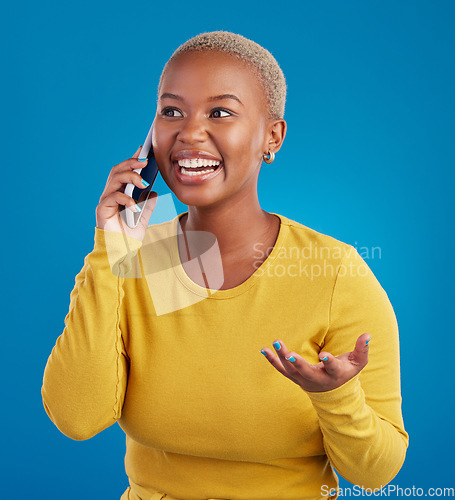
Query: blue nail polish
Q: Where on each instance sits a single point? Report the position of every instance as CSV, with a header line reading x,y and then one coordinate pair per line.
x,y
138,208
264,353
291,359
277,346
146,184
142,159
367,342
324,359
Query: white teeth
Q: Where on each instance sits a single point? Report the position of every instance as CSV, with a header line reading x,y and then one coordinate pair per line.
x,y
197,162
199,172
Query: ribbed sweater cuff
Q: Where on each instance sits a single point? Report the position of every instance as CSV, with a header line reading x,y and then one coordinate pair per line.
x,y
342,400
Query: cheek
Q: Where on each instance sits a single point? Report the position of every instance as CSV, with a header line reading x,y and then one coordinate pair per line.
x,y
242,142
162,135
162,143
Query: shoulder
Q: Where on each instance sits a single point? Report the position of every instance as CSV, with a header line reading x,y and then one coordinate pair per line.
x,y
312,244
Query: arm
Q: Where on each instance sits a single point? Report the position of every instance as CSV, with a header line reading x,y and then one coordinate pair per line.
x,y
86,374
361,421
355,394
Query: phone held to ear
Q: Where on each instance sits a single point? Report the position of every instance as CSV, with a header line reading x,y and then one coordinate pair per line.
x,y
148,173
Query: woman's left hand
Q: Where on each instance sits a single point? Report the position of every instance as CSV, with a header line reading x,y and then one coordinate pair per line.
x,y
331,373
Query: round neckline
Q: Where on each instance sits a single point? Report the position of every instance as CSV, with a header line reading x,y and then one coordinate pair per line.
x,y
188,283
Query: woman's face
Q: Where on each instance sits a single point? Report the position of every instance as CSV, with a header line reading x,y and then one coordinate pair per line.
x,y
211,109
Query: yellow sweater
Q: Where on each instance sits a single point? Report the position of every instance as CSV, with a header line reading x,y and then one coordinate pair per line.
x,y
179,368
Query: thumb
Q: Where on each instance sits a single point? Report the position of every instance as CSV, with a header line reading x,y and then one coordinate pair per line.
x,y
148,207
359,356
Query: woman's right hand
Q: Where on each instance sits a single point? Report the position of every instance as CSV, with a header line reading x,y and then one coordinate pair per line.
x,y
108,213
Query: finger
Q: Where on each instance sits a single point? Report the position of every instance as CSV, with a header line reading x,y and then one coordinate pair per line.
x,y
276,362
130,164
359,356
138,152
119,180
331,364
118,198
292,362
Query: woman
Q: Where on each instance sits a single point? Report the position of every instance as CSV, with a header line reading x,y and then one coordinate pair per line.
x,y
165,329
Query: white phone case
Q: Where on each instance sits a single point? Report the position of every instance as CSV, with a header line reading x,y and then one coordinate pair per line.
x,y
131,220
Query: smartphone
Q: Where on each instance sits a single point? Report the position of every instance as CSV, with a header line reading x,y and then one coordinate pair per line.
x,y
149,173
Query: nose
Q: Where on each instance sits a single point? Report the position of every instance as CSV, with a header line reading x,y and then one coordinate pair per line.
x,y
192,130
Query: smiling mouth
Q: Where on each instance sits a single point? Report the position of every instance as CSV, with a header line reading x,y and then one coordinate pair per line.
x,y
196,170
198,166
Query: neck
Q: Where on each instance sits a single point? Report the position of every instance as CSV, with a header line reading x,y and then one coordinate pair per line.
x,y
237,227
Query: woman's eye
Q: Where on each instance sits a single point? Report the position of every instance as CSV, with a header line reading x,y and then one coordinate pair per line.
x,y
171,112
220,113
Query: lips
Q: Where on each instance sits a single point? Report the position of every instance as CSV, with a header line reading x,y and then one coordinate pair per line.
x,y
184,175
188,154
194,179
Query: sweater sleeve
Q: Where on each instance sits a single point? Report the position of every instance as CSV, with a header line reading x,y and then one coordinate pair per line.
x,y
86,373
361,421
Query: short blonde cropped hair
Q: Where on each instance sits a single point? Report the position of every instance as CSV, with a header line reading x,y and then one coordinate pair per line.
x,y
269,72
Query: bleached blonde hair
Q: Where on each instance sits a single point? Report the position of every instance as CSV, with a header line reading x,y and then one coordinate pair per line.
x,y
269,72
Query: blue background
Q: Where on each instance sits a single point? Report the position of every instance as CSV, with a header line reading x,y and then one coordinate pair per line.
x,y
369,159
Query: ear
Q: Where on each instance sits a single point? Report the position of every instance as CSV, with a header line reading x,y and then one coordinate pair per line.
x,y
276,132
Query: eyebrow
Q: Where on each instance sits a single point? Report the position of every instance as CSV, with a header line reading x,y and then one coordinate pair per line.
x,y
210,99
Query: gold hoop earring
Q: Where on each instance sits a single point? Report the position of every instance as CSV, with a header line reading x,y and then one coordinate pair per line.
x,y
270,158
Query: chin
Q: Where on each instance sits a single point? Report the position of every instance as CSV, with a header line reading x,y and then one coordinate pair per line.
x,y
195,199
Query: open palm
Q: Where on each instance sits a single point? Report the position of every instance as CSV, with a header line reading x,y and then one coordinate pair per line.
x,y
330,373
